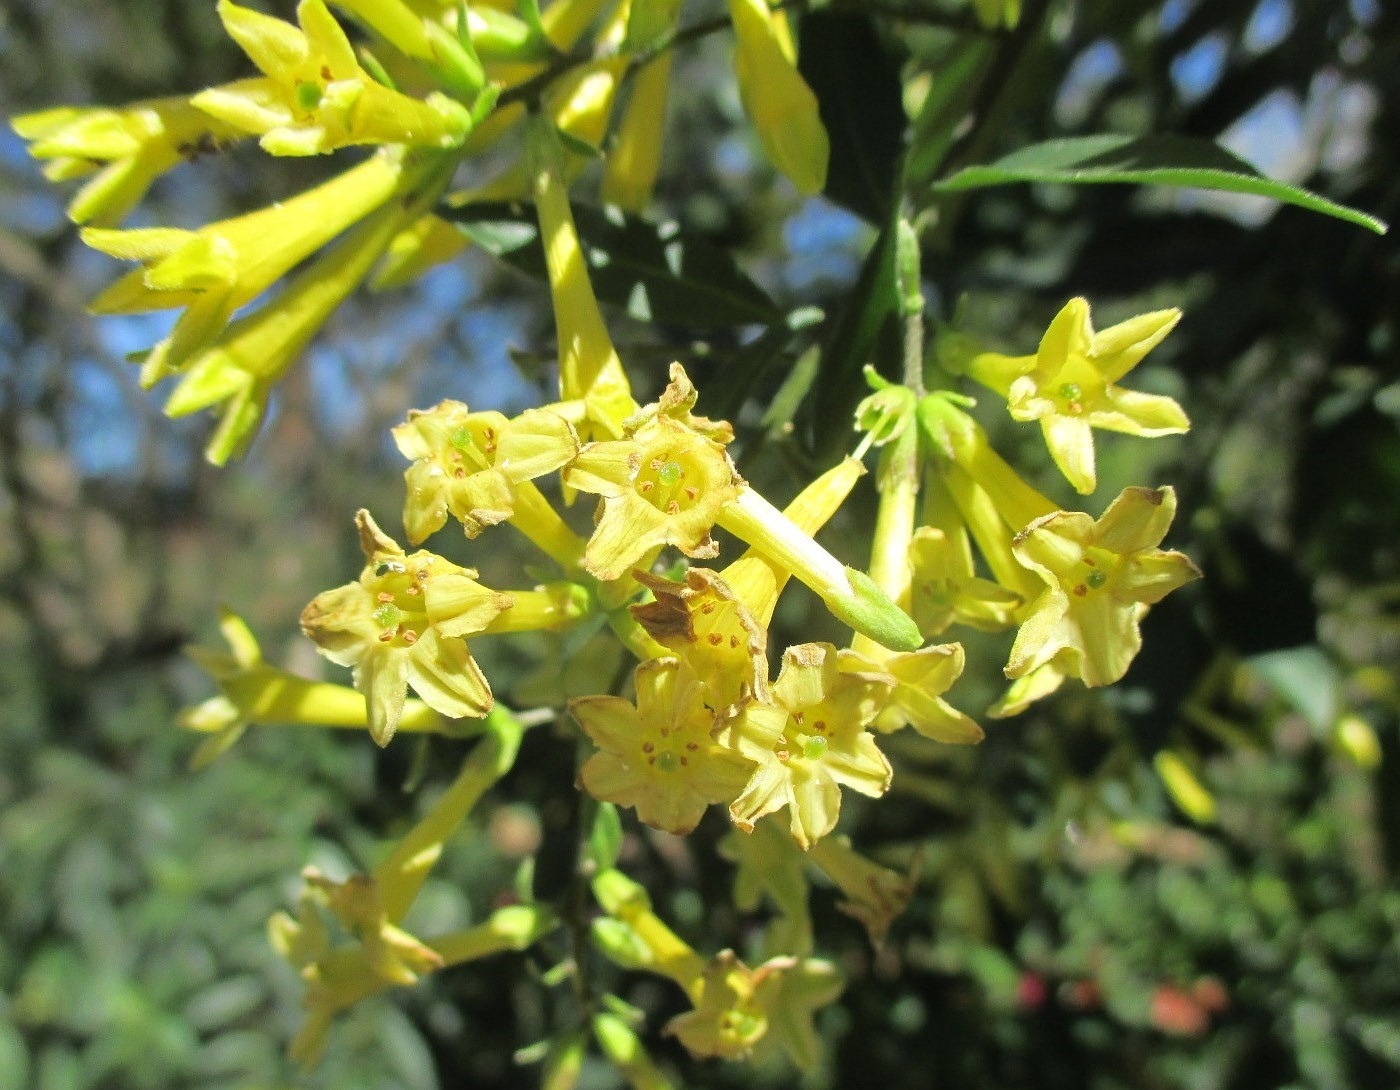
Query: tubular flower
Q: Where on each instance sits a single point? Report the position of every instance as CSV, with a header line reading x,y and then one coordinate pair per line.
x,y
215,270
781,106
470,465
663,484
590,369
314,96
659,756
946,590
811,740
1100,578
402,624
921,678
1068,385
128,148
253,354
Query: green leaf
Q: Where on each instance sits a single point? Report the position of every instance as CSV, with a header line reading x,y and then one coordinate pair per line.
x,y
1304,677
656,272
1148,160
856,81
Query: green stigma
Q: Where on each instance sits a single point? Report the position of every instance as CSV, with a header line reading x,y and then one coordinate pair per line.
x,y
666,761
669,474
814,748
308,95
388,616
1070,391
462,438
1096,578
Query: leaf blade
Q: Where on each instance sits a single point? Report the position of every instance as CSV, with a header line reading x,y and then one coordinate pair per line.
x,y
1150,160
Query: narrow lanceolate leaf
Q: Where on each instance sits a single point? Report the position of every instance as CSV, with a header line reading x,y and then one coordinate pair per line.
x,y
657,272
856,80
1146,160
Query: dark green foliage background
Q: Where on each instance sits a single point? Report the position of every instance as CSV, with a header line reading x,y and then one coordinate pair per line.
x,y
1062,896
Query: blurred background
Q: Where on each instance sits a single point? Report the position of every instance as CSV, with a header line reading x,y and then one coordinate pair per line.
x,y
1079,922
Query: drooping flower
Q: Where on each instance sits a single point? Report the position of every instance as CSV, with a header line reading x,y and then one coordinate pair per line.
x,y
126,149
314,96
1069,385
660,755
875,895
812,740
1100,578
403,625
214,270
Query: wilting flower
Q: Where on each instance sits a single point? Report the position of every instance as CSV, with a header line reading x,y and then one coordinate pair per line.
x,y
470,465
314,96
659,756
811,740
128,148
710,627
875,895
402,624
1100,578
1069,385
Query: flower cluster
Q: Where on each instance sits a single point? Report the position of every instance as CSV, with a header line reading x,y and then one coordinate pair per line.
x,y
714,714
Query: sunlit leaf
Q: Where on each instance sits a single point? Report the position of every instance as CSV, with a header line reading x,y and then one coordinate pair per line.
x,y
1147,160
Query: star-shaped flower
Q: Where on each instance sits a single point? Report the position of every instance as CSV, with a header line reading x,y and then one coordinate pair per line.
x,y
664,483
470,465
1069,385
660,756
1100,578
402,625
811,740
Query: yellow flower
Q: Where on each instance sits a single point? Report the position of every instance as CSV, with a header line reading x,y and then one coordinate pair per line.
x,y
659,756
253,691
1100,578
921,678
589,367
243,365
1069,385
222,266
704,622
665,483
781,106
128,148
946,590
472,465
315,97
634,160
402,624
811,740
